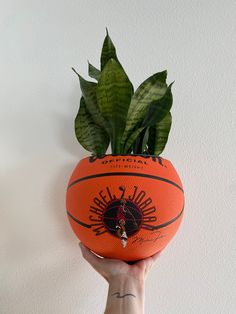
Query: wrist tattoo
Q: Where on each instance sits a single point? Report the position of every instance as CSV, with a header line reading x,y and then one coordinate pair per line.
x,y
122,296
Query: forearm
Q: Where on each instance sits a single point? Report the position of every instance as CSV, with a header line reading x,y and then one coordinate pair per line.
x,y
125,296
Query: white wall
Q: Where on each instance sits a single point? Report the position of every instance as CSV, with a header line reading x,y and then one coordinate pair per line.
x,y
42,270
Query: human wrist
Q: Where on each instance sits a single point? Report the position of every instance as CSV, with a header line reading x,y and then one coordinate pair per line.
x,y
125,280
125,295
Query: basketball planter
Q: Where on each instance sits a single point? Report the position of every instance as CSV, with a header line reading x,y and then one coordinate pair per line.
x,y
129,204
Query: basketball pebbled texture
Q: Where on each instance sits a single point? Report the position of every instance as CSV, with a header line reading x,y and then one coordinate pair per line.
x,y
154,204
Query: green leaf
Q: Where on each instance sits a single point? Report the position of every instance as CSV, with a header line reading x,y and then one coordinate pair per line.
x,y
158,135
114,92
91,136
108,51
157,110
152,89
89,92
141,141
145,140
131,139
93,72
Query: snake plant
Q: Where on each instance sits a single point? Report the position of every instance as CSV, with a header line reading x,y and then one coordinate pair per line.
x,y
111,111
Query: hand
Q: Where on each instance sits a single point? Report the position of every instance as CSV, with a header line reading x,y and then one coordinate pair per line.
x,y
110,268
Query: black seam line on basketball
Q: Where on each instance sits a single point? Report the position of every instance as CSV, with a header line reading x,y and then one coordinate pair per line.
x,y
153,227
167,223
79,222
125,174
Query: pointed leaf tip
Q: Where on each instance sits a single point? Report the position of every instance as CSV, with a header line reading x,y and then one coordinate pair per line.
x,y
108,51
171,84
80,77
75,71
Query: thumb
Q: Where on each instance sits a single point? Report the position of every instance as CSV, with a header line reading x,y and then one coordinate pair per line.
x,y
88,255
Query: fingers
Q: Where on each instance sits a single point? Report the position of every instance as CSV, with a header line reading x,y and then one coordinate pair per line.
x,y
89,256
156,256
150,260
148,263
98,263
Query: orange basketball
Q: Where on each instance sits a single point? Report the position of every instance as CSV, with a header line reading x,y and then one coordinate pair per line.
x,y
127,206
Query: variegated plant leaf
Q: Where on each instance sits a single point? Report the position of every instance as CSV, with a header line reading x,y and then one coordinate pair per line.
x,y
89,92
157,110
132,139
108,51
152,89
93,72
144,141
114,92
158,135
91,136
141,141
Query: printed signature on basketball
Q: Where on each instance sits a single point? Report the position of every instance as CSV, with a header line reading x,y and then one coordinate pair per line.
x,y
141,240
